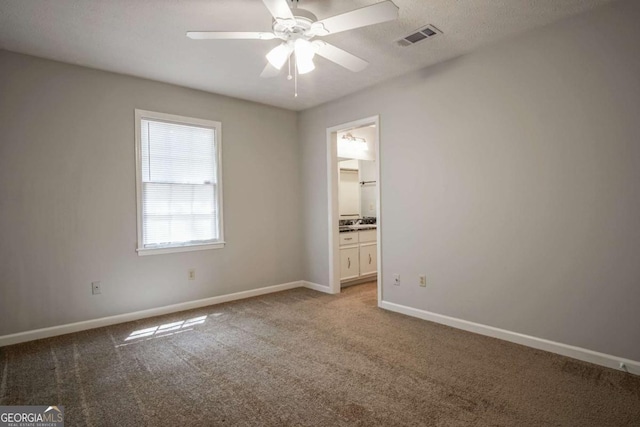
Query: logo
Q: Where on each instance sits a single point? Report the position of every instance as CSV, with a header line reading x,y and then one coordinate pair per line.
x,y
31,416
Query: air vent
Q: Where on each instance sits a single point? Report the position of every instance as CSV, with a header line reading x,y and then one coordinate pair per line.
x,y
422,34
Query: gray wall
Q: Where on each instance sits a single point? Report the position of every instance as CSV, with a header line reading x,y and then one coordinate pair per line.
x,y
511,178
67,196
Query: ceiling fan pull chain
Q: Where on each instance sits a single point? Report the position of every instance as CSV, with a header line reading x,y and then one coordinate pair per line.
x,y
295,80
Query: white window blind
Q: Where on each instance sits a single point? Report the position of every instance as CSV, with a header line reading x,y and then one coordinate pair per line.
x,y
179,198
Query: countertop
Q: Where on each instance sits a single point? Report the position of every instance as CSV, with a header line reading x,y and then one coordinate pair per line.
x,y
352,228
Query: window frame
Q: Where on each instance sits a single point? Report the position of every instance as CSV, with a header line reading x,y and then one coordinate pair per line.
x,y
172,118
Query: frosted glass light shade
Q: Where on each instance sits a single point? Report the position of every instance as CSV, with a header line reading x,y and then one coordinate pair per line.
x,y
279,55
305,52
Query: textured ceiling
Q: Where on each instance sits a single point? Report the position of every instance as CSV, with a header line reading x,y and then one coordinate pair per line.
x,y
146,38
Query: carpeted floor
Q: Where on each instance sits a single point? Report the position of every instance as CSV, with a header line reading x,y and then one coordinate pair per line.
x,y
304,358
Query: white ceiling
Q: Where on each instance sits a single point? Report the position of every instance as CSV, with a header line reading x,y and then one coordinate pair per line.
x,y
146,38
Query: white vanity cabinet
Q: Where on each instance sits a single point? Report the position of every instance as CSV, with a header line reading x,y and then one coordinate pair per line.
x,y
358,254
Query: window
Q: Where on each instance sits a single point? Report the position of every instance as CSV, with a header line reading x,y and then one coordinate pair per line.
x,y
179,183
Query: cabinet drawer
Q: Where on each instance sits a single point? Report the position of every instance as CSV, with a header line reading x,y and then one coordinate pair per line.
x,y
348,238
367,236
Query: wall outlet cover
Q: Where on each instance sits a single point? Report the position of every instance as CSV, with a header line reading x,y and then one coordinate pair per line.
x,y
96,288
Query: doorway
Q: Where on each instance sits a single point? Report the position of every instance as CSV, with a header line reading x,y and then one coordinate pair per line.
x,y
353,153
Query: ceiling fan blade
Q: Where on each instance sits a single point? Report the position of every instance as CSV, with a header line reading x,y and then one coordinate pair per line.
x,y
269,71
340,57
369,15
279,9
229,35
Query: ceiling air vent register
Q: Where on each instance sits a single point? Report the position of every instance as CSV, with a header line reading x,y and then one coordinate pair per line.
x,y
422,34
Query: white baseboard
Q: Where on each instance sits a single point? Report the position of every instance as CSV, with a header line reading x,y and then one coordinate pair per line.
x,y
128,317
579,353
316,287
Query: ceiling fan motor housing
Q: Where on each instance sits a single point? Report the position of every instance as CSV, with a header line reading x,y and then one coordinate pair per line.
x,y
302,26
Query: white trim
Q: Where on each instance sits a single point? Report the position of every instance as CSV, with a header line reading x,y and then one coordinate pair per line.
x,y
217,128
332,187
379,209
333,179
174,118
128,317
579,353
316,287
181,248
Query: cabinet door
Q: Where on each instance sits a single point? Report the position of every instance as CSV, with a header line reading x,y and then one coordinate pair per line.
x,y
368,259
349,267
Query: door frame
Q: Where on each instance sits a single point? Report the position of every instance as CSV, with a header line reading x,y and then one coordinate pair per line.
x,y
334,214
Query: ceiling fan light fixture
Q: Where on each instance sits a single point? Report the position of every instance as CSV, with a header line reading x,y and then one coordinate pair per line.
x,y
305,65
297,29
305,52
279,55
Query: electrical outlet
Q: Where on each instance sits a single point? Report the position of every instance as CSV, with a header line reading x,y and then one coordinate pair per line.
x,y
396,279
423,280
95,288
192,274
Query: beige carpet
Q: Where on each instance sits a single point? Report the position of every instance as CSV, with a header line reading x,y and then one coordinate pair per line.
x,y
304,358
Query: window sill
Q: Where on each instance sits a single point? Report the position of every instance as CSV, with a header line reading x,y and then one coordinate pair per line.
x,y
173,249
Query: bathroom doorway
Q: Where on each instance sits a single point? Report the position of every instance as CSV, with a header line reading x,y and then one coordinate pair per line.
x,y
353,171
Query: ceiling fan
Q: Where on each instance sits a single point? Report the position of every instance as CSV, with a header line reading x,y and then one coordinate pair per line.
x,y
297,27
